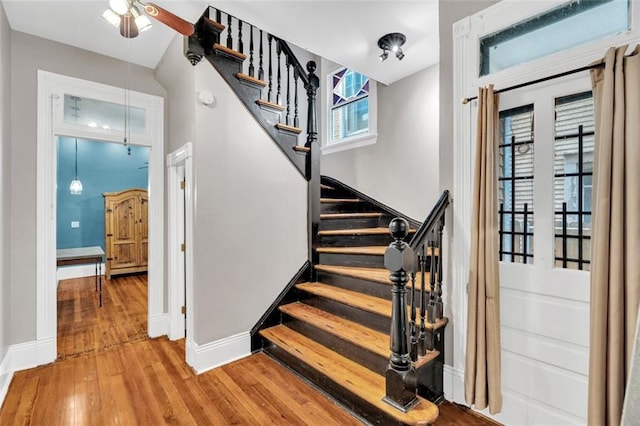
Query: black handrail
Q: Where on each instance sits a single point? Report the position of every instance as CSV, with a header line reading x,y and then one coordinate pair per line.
x,y
293,60
428,225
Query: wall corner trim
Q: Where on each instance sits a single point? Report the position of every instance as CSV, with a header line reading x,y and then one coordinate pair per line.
x,y
158,325
206,357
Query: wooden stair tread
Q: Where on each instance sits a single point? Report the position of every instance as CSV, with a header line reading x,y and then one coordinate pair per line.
x,y
341,200
213,24
369,339
251,80
324,186
270,105
379,275
359,231
350,375
287,128
349,215
354,299
231,52
303,149
370,250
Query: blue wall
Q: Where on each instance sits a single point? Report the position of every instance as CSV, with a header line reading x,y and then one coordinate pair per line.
x,y
102,167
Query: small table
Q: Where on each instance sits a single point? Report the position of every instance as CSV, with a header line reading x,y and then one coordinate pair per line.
x,y
83,255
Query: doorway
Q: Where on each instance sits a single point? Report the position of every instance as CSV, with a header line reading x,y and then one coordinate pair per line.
x,y
180,253
145,127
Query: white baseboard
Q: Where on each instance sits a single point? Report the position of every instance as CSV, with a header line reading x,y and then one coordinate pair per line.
x,y
159,325
214,354
76,271
516,408
23,356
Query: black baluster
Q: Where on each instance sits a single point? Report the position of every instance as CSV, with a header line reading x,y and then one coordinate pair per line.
x,y
270,39
413,342
439,306
218,16
422,337
279,92
240,42
296,120
251,68
431,309
260,68
229,35
288,90
401,377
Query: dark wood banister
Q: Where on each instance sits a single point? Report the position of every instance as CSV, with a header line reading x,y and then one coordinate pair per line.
x,y
293,60
428,225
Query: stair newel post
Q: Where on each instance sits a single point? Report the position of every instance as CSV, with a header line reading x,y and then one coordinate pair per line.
x,y
252,70
312,171
278,93
288,116
401,377
269,93
439,306
260,63
240,42
229,35
296,120
413,343
422,259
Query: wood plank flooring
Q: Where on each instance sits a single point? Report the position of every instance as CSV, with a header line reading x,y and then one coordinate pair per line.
x,y
109,373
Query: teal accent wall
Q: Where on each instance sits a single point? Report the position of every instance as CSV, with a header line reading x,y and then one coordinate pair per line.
x,y
102,167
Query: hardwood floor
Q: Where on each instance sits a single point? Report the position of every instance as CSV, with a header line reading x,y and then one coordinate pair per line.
x,y
108,372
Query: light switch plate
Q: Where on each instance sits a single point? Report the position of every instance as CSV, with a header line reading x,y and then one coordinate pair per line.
x,y
75,224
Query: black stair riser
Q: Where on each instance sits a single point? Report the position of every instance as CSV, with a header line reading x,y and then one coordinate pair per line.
x,y
347,349
359,260
355,240
352,223
334,193
371,288
371,320
353,402
346,207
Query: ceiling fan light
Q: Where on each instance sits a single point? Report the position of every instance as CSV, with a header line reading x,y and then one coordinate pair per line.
x,y
111,17
143,23
119,6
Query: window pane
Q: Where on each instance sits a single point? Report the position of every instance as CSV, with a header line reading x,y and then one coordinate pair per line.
x,y
350,120
547,33
103,115
573,164
515,184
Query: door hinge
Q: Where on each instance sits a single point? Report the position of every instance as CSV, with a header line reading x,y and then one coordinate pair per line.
x,y
109,235
183,247
183,184
183,309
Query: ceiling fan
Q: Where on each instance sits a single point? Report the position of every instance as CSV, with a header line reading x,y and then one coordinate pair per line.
x,y
126,15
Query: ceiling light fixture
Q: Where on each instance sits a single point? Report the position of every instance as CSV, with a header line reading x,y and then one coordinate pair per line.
x,y
126,15
391,42
142,22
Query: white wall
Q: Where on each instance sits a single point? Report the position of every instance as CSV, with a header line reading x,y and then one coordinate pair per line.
x,y
250,204
5,186
401,169
28,54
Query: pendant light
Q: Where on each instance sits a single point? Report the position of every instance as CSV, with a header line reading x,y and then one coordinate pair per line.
x,y
76,186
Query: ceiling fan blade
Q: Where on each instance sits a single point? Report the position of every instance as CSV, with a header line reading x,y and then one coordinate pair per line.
x,y
169,19
128,27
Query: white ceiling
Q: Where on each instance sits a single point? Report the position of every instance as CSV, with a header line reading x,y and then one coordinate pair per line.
x,y
345,32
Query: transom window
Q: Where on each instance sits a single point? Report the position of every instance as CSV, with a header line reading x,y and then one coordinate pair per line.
x,y
547,33
349,115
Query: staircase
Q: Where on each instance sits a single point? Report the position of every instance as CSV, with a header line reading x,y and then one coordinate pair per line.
x,y
331,324
334,330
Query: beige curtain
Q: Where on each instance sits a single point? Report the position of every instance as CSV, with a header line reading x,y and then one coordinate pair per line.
x,y
615,244
482,371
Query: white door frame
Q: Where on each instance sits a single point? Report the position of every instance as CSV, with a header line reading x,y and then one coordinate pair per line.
x,y
179,163
51,90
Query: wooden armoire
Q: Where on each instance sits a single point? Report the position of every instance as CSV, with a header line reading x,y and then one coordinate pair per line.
x,y
126,231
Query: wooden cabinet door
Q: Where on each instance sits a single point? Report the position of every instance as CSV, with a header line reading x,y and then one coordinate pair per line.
x,y
143,230
123,232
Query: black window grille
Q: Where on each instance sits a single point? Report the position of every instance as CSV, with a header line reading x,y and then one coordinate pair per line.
x,y
574,133
515,179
